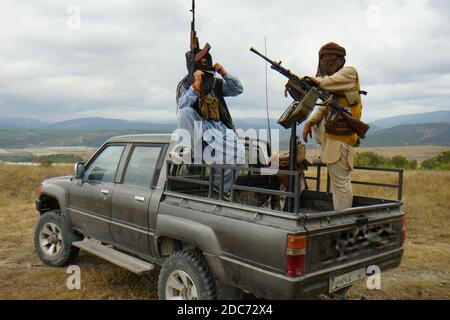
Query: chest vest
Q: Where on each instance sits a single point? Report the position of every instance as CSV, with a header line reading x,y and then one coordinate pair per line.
x,y
206,112
351,101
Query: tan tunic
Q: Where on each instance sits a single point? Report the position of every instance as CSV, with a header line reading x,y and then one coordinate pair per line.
x,y
336,154
330,150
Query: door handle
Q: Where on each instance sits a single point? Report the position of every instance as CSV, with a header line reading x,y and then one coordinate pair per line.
x,y
138,198
104,191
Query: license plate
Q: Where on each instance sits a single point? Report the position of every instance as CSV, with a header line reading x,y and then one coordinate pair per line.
x,y
342,281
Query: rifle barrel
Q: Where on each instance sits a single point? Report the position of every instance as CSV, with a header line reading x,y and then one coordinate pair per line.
x,y
193,16
262,56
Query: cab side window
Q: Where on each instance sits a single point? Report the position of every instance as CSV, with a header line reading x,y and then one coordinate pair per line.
x,y
104,166
142,165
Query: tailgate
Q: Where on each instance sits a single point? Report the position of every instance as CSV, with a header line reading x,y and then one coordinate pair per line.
x,y
342,237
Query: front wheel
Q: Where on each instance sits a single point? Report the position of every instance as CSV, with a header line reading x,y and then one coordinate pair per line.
x,y
51,241
185,275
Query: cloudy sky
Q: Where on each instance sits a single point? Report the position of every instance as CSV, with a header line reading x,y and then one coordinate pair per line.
x,y
122,59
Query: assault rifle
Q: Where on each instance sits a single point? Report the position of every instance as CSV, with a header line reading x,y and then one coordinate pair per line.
x,y
359,127
195,54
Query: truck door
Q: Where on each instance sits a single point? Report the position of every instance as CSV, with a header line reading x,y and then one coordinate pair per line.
x,y
90,196
131,199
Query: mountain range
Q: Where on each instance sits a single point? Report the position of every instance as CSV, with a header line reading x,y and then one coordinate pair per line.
x,y
101,124
417,129
422,134
418,118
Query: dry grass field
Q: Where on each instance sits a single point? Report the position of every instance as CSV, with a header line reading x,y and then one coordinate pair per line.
x,y
424,273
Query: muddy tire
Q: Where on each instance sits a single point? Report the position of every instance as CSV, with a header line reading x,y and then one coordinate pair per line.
x,y
52,241
185,275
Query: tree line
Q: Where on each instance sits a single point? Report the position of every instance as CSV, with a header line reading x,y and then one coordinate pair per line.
x,y
362,159
374,160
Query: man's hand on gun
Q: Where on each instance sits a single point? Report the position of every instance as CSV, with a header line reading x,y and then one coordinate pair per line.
x,y
220,69
198,81
198,76
307,131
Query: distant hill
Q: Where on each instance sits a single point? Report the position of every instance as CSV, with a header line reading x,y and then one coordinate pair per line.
x,y
102,124
99,123
430,117
163,127
21,138
24,123
92,132
373,128
9,126
429,134
110,124
91,124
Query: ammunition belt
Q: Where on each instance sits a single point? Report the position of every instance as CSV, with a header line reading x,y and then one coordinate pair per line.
x,y
338,127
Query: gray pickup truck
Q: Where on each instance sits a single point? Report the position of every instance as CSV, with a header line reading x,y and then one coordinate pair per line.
x,y
133,207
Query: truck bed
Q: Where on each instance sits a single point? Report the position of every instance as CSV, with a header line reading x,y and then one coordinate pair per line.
x,y
252,240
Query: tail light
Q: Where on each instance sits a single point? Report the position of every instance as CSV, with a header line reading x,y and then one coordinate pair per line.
x,y
295,256
403,231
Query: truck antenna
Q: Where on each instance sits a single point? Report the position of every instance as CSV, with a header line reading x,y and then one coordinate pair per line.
x,y
269,142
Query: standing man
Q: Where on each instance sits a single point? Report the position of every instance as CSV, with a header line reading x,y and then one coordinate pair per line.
x,y
336,139
202,101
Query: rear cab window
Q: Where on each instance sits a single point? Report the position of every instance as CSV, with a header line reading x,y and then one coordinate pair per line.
x,y
143,166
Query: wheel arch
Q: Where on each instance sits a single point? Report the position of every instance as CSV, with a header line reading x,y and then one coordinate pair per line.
x,y
55,197
166,246
48,203
176,232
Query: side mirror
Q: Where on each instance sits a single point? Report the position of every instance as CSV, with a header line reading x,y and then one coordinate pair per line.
x,y
78,171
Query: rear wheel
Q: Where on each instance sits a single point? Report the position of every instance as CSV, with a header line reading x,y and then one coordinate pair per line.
x,y
51,240
185,275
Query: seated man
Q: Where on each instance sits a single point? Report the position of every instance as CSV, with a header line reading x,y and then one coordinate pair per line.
x,y
202,102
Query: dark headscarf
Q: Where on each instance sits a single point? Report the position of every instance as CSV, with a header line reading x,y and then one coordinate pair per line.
x,y
197,65
329,65
188,80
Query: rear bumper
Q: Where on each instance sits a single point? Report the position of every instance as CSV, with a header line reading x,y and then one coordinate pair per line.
x,y
266,284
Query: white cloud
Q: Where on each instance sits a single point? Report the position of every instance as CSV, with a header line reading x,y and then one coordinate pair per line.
x,y
128,56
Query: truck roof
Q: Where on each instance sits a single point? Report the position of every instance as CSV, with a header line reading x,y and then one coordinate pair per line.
x,y
142,138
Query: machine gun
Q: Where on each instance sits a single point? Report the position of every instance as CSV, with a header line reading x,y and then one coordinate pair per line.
x,y
308,84
308,91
